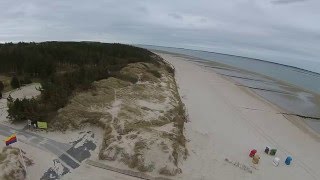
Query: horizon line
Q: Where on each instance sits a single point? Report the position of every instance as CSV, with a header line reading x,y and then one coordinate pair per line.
x,y
257,59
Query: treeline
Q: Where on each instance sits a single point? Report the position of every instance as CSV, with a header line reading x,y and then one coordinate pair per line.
x,y
62,68
42,59
1,88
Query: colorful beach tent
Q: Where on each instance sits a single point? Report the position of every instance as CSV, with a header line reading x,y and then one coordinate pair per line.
x,y
273,152
252,152
276,161
42,125
256,159
288,160
11,139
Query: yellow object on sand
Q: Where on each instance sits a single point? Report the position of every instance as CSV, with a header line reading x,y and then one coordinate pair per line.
x,y
42,125
256,159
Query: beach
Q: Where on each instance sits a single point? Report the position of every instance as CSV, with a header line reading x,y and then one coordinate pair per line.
x,y
227,121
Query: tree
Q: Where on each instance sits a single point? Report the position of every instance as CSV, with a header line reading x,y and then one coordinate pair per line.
x,y
1,88
63,68
20,110
26,80
15,82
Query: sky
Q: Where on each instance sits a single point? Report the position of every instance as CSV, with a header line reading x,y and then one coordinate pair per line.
x,y
283,31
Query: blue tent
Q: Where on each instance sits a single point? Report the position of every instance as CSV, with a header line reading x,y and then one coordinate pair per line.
x,y
288,160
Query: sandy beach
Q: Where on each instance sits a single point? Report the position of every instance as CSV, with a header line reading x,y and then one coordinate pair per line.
x,y
227,121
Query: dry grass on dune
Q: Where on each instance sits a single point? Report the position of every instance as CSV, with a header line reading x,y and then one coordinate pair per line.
x,y
143,121
12,165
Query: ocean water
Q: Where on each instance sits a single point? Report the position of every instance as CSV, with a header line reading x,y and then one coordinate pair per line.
x,y
294,90
295,76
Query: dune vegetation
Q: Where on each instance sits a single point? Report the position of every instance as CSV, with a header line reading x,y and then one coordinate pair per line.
x,y
129,92
143,121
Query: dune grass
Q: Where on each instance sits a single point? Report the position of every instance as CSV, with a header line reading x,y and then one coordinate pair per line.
x,y
131,128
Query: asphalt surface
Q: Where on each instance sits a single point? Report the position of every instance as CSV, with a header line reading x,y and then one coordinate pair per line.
x,y
67,153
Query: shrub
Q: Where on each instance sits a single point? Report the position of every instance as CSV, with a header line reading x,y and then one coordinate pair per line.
x,y
26,80
15,83
165,171
125,77
1,86
170,69
20,110
155,73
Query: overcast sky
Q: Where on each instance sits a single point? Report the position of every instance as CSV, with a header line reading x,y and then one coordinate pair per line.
x,y
285,31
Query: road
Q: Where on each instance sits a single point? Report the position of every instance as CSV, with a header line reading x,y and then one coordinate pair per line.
x,y
62,150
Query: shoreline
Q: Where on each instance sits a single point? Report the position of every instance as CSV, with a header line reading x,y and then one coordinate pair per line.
x,y
294,118
212,52
297,121
224,125
203,61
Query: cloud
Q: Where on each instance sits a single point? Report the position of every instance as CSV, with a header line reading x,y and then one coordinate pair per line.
x,y
142,9
286,1
258,29
175,15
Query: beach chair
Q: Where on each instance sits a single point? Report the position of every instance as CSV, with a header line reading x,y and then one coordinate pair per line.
x,y
288,160
273,152
276,161
256,159
252,152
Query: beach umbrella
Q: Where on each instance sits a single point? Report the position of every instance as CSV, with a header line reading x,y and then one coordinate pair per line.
x,y
288,160
276,161
252,152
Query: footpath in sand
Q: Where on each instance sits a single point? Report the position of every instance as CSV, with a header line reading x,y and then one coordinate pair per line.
x,y
223,126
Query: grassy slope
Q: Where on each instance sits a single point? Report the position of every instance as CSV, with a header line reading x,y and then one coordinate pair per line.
x,y
142,121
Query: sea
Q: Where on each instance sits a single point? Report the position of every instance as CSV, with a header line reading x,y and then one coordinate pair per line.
x,y
295,90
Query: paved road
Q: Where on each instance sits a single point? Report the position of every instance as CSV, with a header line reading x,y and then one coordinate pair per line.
x,y
57,148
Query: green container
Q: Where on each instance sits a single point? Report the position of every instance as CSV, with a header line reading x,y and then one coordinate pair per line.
x,y
273,152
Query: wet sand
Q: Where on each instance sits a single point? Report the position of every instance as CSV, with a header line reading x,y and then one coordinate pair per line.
x,y
290,99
